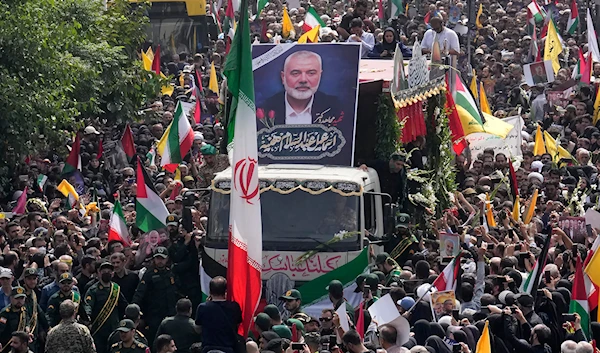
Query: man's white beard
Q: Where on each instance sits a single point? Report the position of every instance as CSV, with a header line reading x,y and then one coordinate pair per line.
x,y
297,94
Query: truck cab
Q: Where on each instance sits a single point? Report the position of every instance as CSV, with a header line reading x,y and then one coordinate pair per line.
x,y
303,208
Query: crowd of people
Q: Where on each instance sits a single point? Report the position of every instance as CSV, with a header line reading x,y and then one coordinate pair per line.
x,y
65,288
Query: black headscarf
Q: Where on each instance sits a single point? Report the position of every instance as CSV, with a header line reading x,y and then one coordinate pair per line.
x,y
421,330
422,310
436,329
390,47
471,342
596,331
438,344
560,303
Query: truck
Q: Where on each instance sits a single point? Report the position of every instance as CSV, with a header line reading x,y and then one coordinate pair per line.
x,y
303,208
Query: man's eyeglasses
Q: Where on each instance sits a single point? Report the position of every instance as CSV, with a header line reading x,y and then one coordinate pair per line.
x,y
325,319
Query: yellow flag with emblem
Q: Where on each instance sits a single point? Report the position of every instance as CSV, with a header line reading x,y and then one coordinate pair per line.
x,y
553,46
311,36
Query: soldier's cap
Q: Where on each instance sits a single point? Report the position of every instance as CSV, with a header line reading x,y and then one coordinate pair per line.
x,y
126,325
30,272
381,258
188,178
298,323
291,294
106,264
133,312
372,281
6,273
18,292
65,277
379,274
403,220
208,150
272,311
263,321
335,287
359,280
282,331
172,220
161,251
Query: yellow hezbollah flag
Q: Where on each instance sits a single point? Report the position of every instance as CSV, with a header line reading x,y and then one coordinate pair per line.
x,y
489,215
553,46
473,86
479,12
597,109
150,54
539,148
483,101
311,36
555,150
68,190
516,213
213,84
531,209
287,26
147,61
484,345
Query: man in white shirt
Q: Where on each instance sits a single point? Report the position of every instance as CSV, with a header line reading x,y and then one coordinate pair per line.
x,y
366,39
445,37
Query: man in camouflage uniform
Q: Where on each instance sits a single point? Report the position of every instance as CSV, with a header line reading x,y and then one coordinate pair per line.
x,y
65,282
128,344
213,163
389,267
104,304
156,293
68,335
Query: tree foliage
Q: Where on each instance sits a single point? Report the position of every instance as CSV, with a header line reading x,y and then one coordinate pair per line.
x,y
62,63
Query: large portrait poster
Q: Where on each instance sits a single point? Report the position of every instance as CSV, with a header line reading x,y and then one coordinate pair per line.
x,y
306,96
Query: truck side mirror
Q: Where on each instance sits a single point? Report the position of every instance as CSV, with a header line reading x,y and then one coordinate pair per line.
x,y
389,217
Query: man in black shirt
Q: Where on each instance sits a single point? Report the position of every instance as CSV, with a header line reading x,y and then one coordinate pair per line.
x,y
218,318
127,280
87,271
392,176
360,11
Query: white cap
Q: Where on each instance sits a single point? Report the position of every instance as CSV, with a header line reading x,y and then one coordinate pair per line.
x,y
422,289
536,175
537,166
91,130
198,136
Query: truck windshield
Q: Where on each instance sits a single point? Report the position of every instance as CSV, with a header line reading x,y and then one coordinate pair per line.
x,y
295,221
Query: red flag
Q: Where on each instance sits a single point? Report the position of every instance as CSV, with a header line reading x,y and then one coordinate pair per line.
x,y
156,61
127,142
360,321
20,207
197,111
100,149
380,9
198,84
294,333
427,18
456,130
514,187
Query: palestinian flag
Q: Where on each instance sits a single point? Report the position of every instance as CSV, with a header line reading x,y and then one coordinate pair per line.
x,y
447,279
314,295
583,68
535,10
530,285
471,118
176,141
592,38
530,23
151,212
579,299
312,19
397,8
73,162
573,22
118,228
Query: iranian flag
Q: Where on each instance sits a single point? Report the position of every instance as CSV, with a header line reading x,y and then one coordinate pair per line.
x,y
312,19
176,141
573,19
151,212
536,11
447,279
579,299
532,282
118,228
41,181
244,261
229,25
